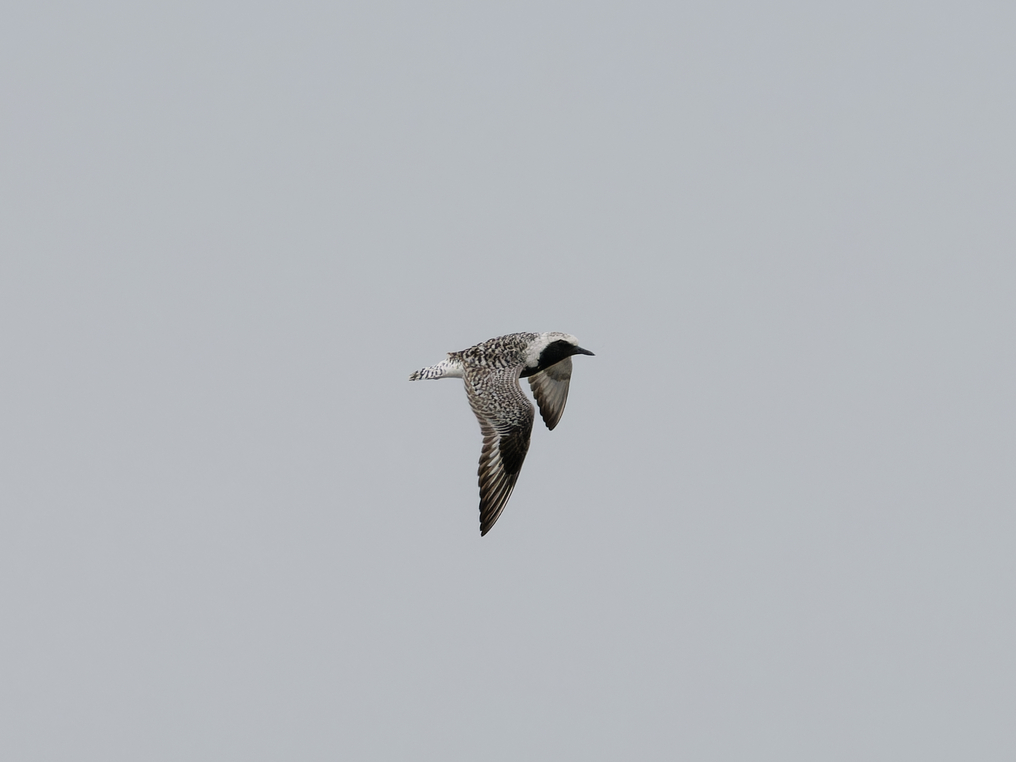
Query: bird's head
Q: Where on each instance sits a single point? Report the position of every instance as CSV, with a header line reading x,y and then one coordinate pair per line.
x,y
549,349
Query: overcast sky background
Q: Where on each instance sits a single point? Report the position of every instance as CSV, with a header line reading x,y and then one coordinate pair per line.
x,y
777,519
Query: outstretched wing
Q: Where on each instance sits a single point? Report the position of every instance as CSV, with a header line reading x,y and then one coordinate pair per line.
x,y
550,387
500,465
506,423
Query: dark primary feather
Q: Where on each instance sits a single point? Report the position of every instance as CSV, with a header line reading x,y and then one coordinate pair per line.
x,y
500,465
514,444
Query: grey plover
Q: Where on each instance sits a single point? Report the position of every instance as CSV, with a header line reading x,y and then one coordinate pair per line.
x,y
491,372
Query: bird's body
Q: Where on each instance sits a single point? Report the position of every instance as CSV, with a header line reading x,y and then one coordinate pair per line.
x,y
491,372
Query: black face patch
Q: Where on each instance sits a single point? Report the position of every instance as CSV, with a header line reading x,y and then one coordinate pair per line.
x,y
555,352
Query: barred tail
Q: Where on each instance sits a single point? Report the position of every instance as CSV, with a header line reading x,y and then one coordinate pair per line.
x,y
444,369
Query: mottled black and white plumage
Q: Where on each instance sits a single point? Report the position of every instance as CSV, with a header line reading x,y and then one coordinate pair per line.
x,y
491,372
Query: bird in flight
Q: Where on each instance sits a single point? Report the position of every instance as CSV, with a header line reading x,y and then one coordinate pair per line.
x,y
491,372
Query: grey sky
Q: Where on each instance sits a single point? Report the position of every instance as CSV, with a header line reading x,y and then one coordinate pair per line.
x,y
776,521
